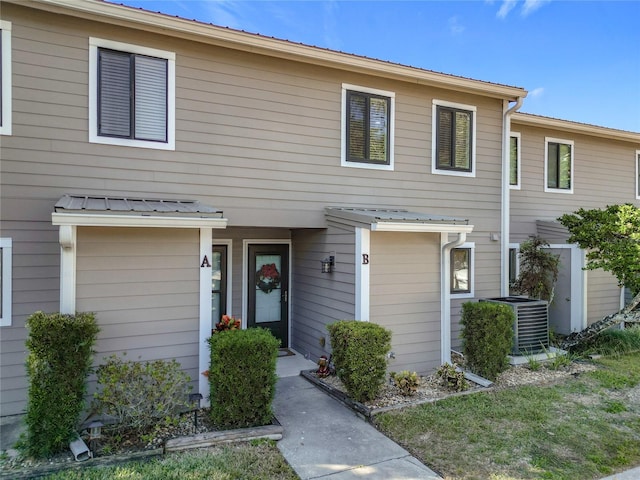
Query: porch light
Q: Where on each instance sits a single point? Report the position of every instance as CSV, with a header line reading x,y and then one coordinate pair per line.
x,y
328,264
95,433
194,399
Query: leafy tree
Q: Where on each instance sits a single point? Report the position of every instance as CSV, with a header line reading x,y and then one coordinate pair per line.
x,y
611,237
538,270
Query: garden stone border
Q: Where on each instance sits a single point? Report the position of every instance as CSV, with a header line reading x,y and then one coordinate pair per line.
x,y
273,431
369,413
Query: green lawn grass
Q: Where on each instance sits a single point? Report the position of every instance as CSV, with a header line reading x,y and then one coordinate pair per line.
x,y
582,428
259,460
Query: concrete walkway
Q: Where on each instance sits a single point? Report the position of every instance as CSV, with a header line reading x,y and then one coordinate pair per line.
x,y
324,439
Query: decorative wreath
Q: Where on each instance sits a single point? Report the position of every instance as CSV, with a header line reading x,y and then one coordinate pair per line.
x,y
268,277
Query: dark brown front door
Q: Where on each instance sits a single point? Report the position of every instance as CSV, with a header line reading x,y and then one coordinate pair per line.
x,y
269,290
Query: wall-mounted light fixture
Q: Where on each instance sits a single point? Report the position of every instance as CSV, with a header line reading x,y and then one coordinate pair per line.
x,y
328,264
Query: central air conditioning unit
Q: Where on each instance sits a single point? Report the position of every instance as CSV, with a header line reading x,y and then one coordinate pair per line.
x,y
531,325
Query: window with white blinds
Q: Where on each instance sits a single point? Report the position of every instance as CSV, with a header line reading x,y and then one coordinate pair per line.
x,y
367,128
453,139
132,95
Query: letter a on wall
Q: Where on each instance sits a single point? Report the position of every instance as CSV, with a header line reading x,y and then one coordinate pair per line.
x,y
205,263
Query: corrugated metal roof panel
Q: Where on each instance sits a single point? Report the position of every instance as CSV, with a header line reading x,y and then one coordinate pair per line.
x,y
376,215
95,204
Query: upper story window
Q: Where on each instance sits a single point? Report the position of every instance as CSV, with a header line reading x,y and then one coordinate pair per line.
x,y
5,77
558,165
131,95
462,259
368,127
453,139
514,161
5,281
638,174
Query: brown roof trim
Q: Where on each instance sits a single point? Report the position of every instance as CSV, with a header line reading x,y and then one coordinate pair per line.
x,y
532,120
156,22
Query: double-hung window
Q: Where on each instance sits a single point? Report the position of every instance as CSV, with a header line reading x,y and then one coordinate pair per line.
x,y
514,161
367,128
558,165
5,281
5,77
462,259
132,95
453,139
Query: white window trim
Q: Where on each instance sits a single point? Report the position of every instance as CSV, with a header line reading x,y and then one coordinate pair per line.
x,y
6,246
547,140
637,159
434,138
5,129
472,267
94,44
518,162
515,246
392,116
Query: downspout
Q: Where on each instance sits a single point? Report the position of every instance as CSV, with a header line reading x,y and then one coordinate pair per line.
x,y
445,295
506,196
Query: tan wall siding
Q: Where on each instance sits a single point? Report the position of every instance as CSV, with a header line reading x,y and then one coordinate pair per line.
x,y
603,295
258,138
604,174
405,297
36,269
143,285
320,298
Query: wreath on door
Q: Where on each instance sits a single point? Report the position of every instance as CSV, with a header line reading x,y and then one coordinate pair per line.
x,y
268,277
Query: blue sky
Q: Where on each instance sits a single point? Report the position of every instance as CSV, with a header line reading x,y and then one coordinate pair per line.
x,y
579,60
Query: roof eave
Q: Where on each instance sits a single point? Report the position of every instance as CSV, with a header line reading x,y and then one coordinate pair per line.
x,y
238,40
140,220
567,125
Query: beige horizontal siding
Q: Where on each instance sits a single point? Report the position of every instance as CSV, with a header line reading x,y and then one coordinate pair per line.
x,y
143,285
319,298
603,295
235,113
405,296
604,174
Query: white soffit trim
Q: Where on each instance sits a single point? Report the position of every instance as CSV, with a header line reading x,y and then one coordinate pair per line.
x,y
420,227
98,220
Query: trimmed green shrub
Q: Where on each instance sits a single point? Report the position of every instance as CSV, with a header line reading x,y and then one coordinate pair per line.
x,y
242,377
488,337
60,349
360,356
142,395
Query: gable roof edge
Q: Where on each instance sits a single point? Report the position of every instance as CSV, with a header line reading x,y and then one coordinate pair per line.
x,y
165,24
575,127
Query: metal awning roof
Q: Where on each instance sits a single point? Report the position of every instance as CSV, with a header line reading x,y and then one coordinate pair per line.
x,y
96,210
397,220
